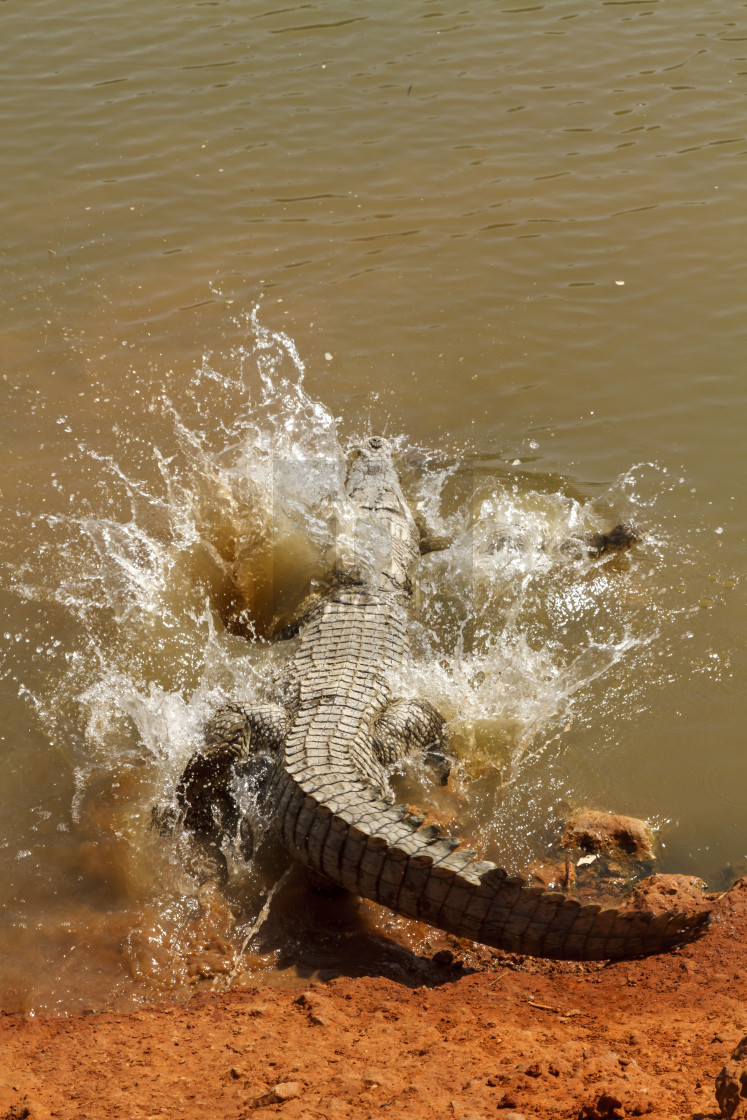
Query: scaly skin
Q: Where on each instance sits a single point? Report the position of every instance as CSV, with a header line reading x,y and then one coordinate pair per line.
x,y
336,730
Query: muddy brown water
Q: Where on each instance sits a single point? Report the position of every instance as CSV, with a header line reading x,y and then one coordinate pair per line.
x,y
239,238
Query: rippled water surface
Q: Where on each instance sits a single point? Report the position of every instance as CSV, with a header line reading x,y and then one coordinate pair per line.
x,y
237,239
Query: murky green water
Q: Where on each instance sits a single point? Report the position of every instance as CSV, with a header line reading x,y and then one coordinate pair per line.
x,y
512,237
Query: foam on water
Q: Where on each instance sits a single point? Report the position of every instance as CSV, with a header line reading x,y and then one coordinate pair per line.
x,y
172,585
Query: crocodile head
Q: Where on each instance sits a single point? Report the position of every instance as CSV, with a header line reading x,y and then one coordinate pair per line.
x,y
372,481
373,487
374,454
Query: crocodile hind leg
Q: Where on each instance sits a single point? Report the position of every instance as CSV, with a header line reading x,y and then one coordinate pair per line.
x,y
237,735
408,727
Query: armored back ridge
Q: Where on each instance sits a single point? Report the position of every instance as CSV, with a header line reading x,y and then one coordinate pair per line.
x,y
338,727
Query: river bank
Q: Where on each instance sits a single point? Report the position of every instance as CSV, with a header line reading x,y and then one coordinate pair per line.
x,y
490,1034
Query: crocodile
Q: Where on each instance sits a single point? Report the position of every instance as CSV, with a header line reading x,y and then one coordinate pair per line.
x,y
334,733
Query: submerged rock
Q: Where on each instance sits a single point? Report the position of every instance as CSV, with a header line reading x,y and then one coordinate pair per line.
x,y
553,874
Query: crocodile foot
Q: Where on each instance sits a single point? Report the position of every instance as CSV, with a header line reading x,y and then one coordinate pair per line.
x,y
619,539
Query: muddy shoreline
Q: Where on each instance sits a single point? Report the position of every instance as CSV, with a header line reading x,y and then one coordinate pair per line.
x,y
493,1035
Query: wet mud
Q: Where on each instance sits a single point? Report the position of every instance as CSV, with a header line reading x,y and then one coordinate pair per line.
x,y
466,1033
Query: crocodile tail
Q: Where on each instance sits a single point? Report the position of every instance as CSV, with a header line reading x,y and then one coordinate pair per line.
x,y
378,850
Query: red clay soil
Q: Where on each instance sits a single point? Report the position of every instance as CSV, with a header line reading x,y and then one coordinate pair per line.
x,y
490,1035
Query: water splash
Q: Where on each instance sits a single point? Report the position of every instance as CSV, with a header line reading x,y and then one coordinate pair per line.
x,y
200,544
